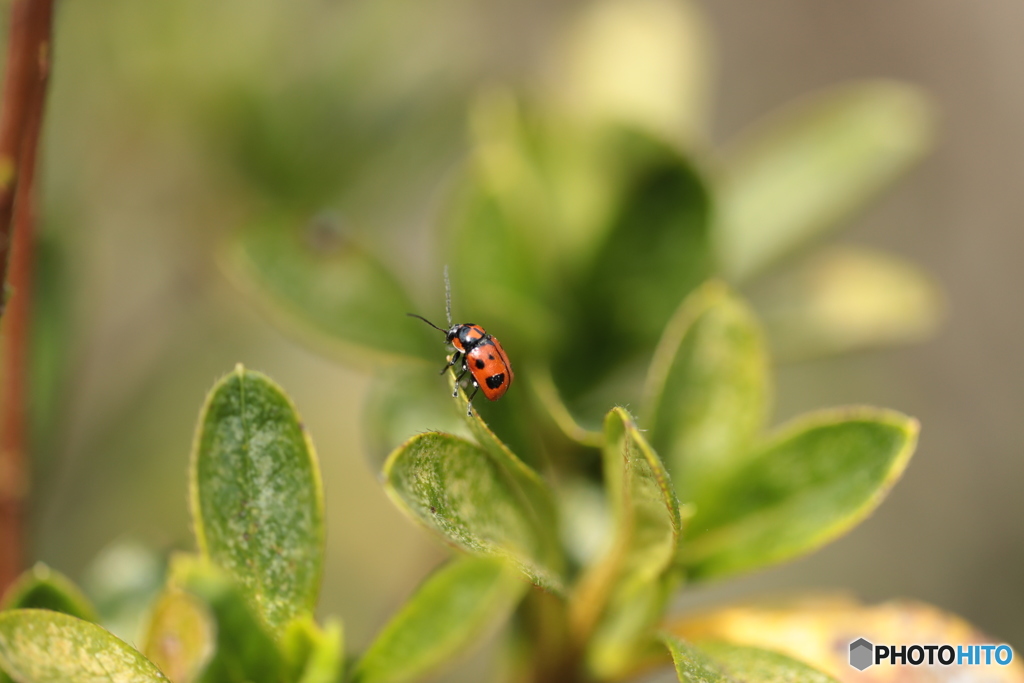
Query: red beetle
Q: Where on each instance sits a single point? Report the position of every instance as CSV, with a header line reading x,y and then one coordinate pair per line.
x,y
481,355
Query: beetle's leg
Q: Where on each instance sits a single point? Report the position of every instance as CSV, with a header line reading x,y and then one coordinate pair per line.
x,y
465,369
455,359
469,405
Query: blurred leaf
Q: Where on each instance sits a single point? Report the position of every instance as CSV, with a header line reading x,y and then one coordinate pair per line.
x,y
50,342
811,165
707,389
721,662
257,500
450,613
847,298
542,384
245,652
315,655
625,592
124,579
180,636
656,251
585,519
818,628
313,279
475,501
40,646
296,143
43,588
538,202
338,128
641,63
809,483
500,233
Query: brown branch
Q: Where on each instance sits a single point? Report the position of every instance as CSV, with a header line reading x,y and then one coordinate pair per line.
x,y
24,94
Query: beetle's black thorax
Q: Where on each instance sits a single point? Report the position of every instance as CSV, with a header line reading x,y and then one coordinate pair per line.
x,y
467,337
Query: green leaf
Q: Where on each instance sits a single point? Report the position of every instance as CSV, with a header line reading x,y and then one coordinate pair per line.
x,y
541,382
474,500
808,484
655,251
811,165
723,663
450,613
843,299
245,651
532,487
43,588
692,665
312,278
180,636
707,389
41,646
625,592
257,500
315,655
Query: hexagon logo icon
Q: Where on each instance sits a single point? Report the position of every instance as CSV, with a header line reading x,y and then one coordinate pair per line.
x,y
860,654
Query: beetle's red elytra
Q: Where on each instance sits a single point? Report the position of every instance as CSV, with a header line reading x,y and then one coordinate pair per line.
x,y
481,354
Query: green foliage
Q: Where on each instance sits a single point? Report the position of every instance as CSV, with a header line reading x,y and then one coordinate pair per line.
x,y
449,613
42,646
318,281
723,663
810,166
583,233
180,636
624,593
257,502
244,649
707,390
472,500
804,486
315,655
43,588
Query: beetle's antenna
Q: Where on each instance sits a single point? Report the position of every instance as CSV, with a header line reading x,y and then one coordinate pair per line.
x,y
413,315
447,296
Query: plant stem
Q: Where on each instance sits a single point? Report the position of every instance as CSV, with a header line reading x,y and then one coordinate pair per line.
x,y
555,657
24,93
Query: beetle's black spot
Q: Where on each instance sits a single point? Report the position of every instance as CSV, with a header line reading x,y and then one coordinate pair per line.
x,y
489,357
480,364
495,381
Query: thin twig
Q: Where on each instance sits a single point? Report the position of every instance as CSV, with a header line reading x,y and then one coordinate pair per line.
x,y
24,95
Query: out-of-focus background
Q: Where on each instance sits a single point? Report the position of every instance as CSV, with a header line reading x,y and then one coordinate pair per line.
x,y
170,124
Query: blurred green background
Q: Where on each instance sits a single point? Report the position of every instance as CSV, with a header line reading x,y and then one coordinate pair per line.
x,y
170,124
